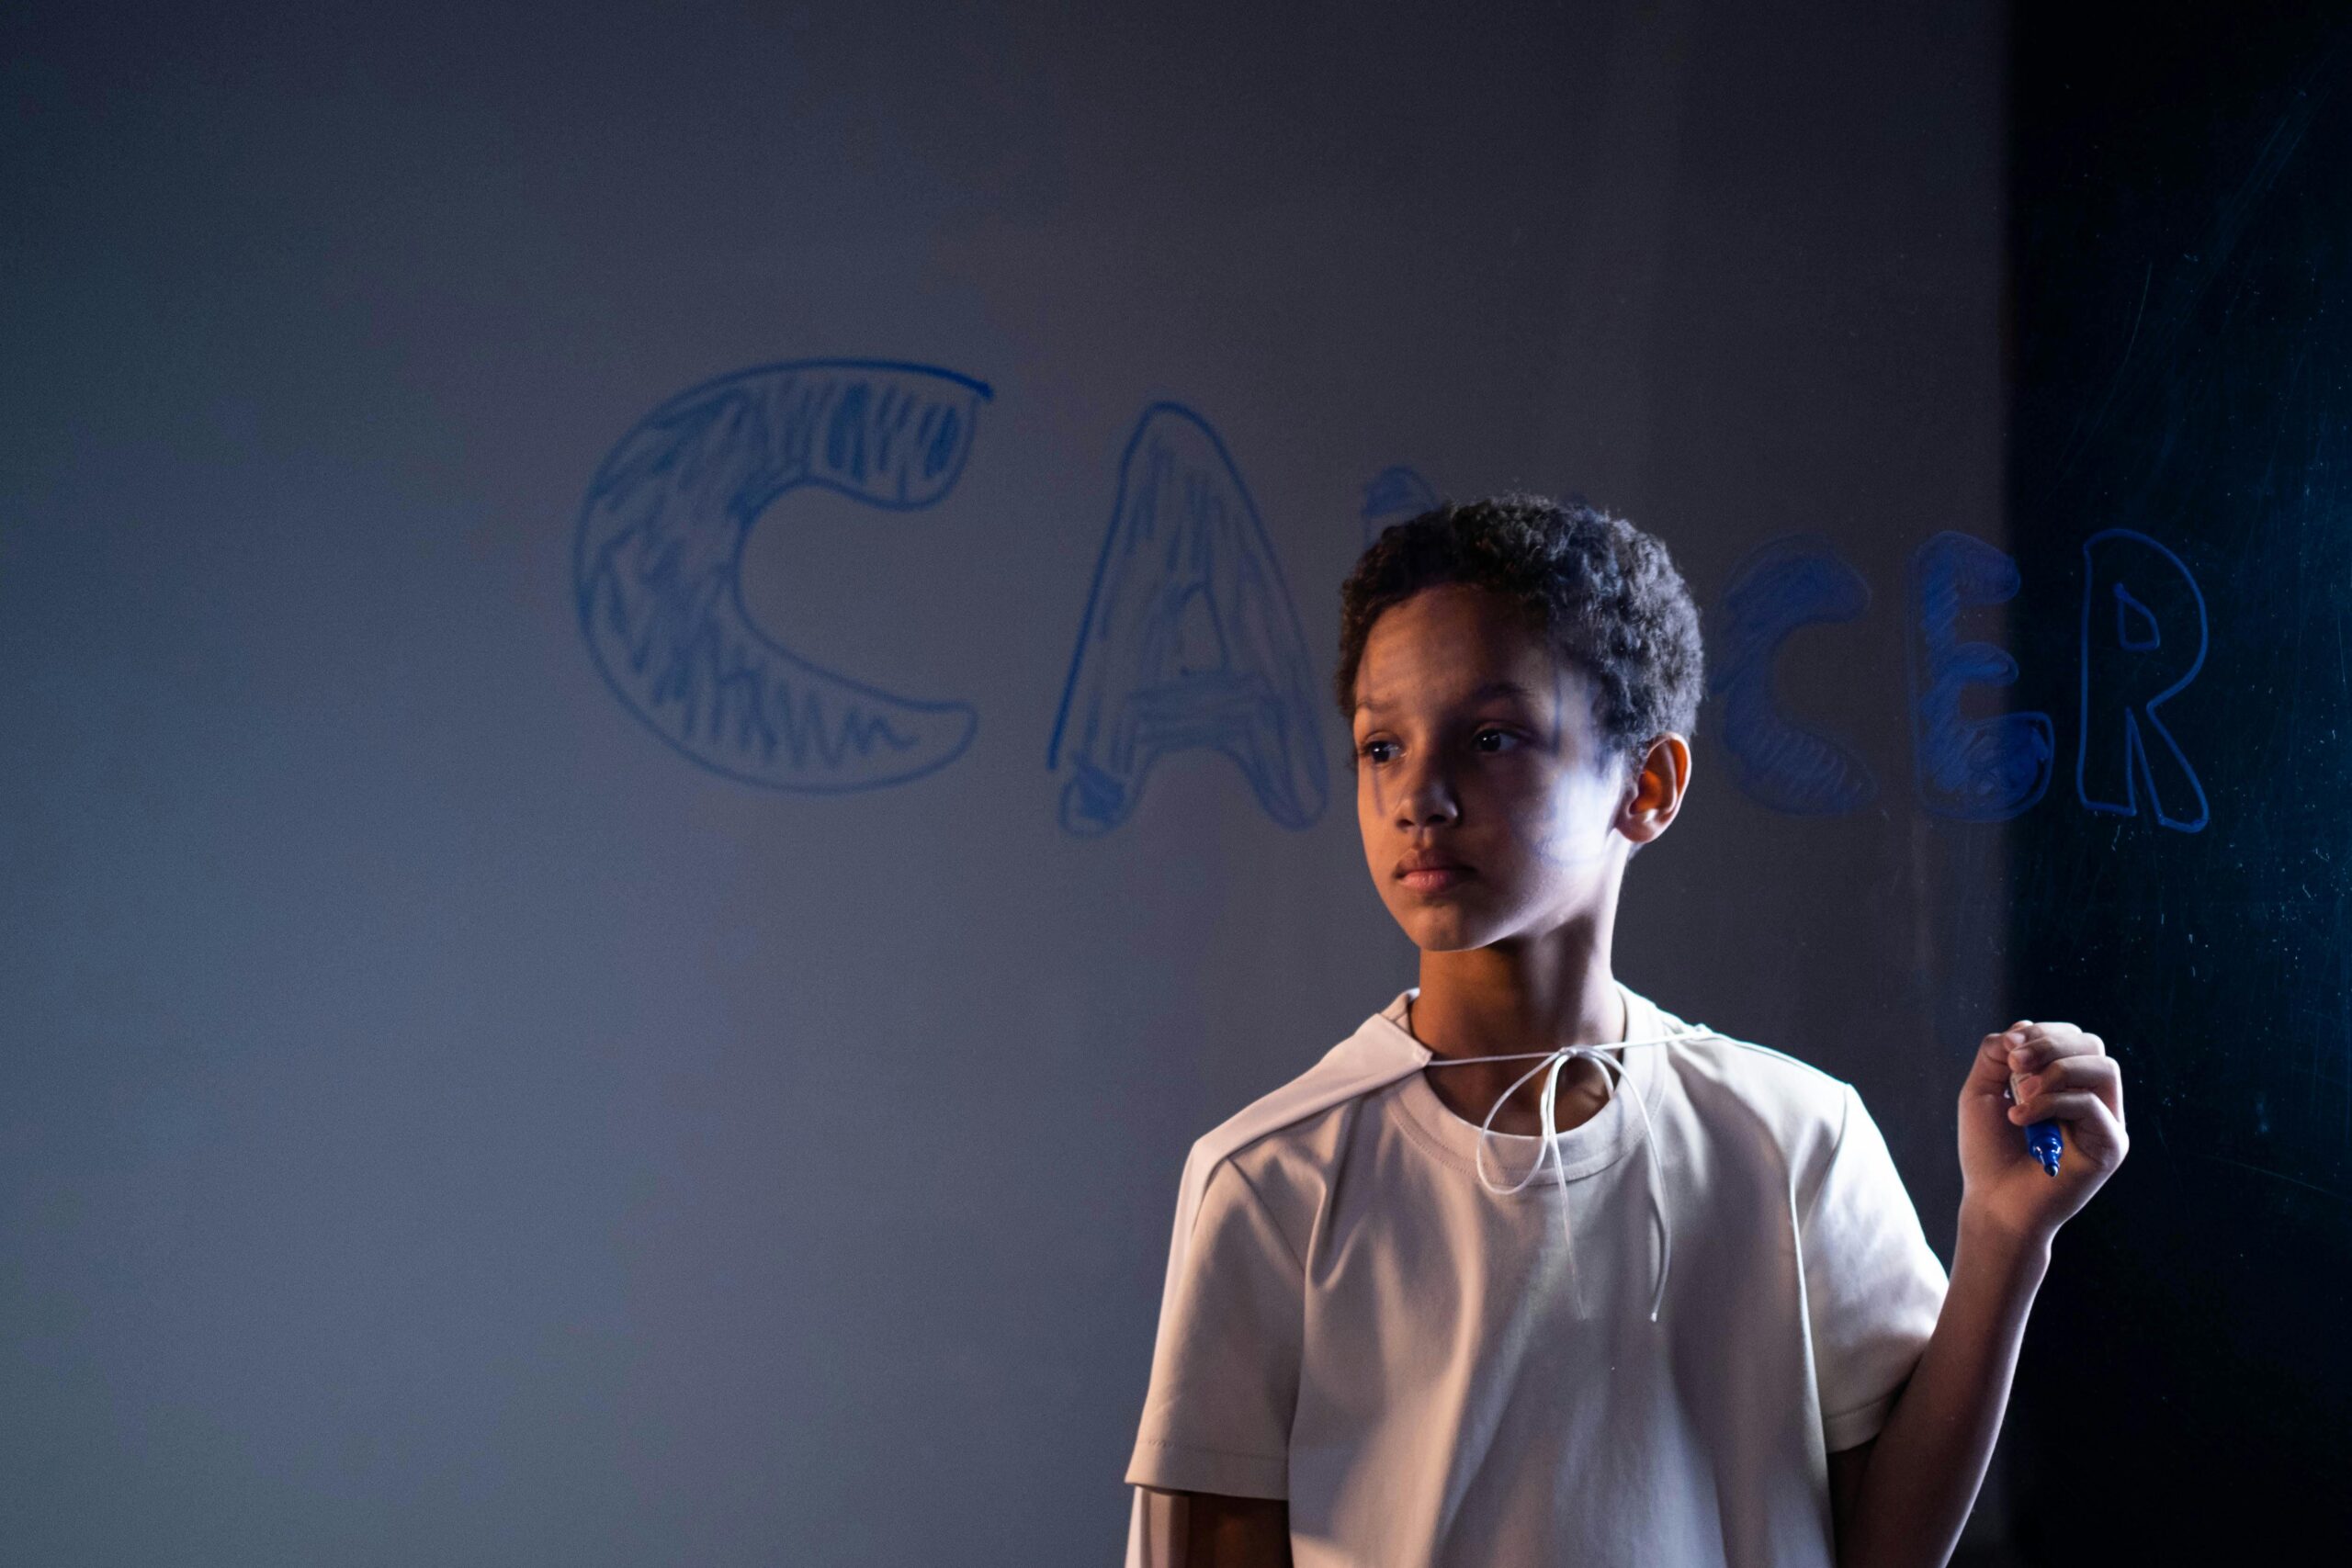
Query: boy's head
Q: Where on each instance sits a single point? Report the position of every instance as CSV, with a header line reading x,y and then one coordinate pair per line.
x,y
1520,677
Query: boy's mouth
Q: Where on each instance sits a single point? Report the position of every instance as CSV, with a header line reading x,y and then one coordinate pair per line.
x,y
1426,873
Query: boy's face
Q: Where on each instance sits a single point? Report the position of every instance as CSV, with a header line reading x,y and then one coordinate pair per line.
x,y
1489,810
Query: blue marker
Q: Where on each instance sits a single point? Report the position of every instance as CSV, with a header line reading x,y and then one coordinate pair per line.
x,y
2042,1143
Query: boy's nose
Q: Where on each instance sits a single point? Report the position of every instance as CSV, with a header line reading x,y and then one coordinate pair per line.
x,y
1429,800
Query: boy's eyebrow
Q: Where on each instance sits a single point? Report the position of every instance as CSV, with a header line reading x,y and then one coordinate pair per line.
x,y
1491,689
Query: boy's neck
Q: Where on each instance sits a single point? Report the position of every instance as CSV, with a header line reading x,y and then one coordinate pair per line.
x,y
1509,999
1486,1003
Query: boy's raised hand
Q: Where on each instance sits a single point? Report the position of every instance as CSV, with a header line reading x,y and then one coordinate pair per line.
x,y
2064,1076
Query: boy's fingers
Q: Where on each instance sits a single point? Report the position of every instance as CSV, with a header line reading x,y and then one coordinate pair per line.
x,y
2058,1105
2100,1075
1989,1073
2046,1042
2090,1126
2063,1038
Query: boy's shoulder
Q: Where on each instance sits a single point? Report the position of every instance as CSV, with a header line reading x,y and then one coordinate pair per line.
x,y
1764,1073
1378,1053
1740,1090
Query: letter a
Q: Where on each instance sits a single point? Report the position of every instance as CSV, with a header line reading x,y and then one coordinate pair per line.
x,y
1190,639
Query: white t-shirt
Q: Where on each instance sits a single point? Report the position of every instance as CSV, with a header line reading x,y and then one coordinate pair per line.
x,y
1432,1374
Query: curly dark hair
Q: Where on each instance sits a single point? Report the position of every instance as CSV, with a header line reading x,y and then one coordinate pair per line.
x,y
1601,591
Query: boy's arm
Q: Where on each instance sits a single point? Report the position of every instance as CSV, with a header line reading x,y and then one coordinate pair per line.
x,y
1204,1530
1920,1477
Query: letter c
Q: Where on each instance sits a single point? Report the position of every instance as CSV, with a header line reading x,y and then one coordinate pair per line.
x,y
656,567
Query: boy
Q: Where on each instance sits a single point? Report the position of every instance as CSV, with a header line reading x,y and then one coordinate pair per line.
x,y
1665,1303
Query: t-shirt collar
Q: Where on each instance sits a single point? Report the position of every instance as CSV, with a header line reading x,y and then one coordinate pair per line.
x,y
1613,1132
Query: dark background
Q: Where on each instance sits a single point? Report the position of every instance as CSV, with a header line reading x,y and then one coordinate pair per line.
x,y
2181,272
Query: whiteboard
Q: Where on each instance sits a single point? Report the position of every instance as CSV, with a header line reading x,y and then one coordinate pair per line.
x,y
666,695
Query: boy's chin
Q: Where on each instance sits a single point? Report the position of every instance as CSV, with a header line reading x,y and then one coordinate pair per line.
x,y
1448,932
1459,926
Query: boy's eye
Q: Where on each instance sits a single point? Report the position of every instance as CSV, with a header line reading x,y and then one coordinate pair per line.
x,y
1490,740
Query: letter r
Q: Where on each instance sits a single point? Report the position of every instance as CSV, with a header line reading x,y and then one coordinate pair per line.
x,y
2143,637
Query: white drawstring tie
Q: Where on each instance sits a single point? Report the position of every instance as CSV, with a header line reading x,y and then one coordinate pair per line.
x,y
1548,1064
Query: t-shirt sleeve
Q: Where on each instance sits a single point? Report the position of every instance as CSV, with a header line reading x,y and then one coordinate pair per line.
x,y
1872,1285
1225,1370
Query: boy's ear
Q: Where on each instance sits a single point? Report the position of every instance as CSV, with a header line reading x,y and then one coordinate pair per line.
x,y
1660,778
